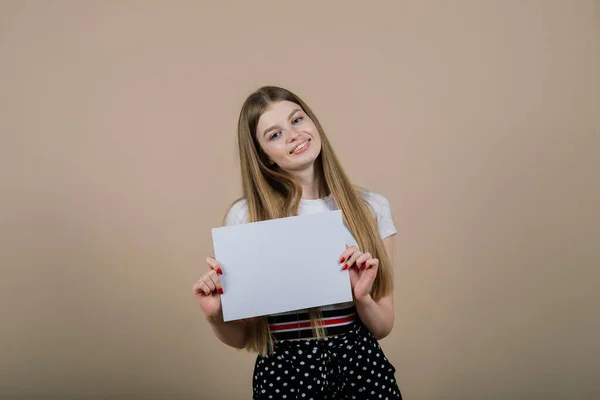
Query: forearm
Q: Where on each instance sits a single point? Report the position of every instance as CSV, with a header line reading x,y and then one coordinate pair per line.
x,y
231,333
377,317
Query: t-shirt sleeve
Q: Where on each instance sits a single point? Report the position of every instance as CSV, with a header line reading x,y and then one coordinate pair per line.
x,y
237,214
381,207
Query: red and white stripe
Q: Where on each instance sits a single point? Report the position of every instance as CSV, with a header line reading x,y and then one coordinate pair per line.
x,y
305,324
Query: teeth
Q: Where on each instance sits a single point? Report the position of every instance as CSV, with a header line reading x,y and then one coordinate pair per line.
x,y
303,145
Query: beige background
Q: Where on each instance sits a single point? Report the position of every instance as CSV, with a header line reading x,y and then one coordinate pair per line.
x,y
479,120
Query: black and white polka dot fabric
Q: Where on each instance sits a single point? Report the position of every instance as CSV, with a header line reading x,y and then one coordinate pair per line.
x,y
349,366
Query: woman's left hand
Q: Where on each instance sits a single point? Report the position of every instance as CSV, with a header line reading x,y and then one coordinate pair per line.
x,y
363,270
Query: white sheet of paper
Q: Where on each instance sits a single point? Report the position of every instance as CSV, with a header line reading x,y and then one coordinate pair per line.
x,y
282,265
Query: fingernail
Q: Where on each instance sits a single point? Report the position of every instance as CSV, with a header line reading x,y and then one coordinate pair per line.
x,y
345,267
342,260
219,271
364,266
220,291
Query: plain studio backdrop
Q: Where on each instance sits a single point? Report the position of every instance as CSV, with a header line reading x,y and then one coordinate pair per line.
x,y
479,120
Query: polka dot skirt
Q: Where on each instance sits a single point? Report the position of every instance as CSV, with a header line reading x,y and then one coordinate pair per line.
x,y
347,366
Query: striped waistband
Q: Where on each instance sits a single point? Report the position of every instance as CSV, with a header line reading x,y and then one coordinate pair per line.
x,y
296,325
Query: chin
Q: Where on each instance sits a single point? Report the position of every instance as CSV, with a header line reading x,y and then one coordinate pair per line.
x,y
304,160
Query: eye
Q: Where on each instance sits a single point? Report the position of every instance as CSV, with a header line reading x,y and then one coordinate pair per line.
x,y
297,120
274,135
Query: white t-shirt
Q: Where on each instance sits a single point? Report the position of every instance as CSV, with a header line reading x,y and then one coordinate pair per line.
x,y
238,214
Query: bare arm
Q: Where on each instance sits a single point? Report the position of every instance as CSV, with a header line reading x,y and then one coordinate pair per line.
x,y
232,333
208,291
378,316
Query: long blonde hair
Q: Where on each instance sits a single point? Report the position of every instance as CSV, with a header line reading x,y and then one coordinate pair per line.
x,y
272,193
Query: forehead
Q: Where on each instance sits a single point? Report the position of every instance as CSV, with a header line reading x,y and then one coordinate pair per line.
x,y
277,113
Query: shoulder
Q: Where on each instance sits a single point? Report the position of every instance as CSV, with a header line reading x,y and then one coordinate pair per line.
x,y
237,213
380,206
378,202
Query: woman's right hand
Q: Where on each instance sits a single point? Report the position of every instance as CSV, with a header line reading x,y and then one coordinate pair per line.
x,y
208,290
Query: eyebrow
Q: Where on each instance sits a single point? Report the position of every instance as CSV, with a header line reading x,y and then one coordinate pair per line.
x,y
276,126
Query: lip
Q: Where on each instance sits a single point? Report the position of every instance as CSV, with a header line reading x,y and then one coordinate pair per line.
x,y
304,149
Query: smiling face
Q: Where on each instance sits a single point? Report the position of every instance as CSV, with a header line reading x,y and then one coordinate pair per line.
x,y
288,136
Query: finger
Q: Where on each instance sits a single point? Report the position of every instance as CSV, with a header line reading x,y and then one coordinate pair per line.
x,y
353,258
196,288
214,264
207,290
201,288
373,263
215,281
353,273
347,253
346,256
360,261
209,283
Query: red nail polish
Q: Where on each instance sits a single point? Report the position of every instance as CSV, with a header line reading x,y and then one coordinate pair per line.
x,y
345,267
220,291
342,260
219,271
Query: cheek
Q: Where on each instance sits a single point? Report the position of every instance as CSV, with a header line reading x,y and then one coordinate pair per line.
x,y
314,131
275,150
315,134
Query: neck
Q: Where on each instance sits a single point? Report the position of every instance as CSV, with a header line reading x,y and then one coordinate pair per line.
x,y
311,182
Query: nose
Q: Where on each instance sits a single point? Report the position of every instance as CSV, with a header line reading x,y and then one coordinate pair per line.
x,y
293,134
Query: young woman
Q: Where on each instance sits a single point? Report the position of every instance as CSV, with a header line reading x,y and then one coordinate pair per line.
x,y
289,168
